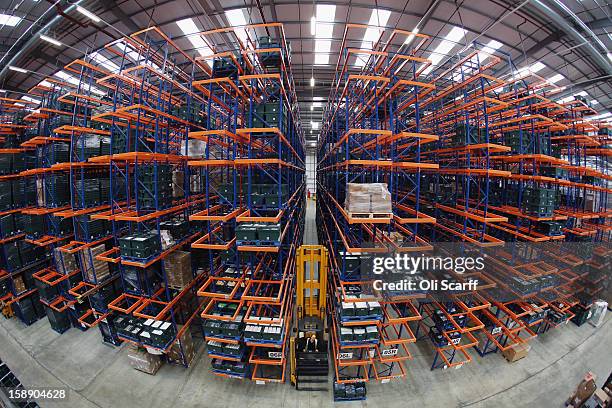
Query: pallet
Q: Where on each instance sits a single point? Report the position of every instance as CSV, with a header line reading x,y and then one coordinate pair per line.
x,y
372,215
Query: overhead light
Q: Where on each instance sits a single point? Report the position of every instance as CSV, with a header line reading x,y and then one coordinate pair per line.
x,y
50,40
2,90
411,36
478,59
378,19
448,43
555,79
313,25
189,28
105,62
610,56
74,81
538,66
489,49
44,82
312,107
236,18
323,32
8,20
312,82
88,14
30,99
314,125
601,116
17,69
593,102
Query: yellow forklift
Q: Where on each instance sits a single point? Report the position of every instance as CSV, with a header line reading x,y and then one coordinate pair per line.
x,y
309,345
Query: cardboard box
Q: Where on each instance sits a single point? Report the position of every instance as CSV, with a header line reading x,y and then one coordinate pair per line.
x,y
601,397
19,285
368,198
186,342
516,352
95,270
143,361
178,269
583,392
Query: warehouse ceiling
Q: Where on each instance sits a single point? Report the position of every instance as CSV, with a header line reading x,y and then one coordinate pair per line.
x,y
565,41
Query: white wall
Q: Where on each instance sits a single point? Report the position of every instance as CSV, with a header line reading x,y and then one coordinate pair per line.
x,y
311,165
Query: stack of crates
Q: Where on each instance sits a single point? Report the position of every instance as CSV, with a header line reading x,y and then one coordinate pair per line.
x,y
262,233
6,196
178,227
513,140
11,224
467,135
539,202
35,226
190,114
57,190
88,230
549,228
552,171
149,190
140,245
270,60
122,142
266,195
141,281
23,193
225,67
58,152
268,115
61,226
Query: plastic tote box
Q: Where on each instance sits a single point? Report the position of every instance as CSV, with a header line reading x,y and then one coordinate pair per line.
x,y
599,309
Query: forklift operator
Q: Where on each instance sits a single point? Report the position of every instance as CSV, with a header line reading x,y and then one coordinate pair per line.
x,y
312,344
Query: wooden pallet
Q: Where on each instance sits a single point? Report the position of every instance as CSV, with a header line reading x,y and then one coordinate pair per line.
x,y
373,215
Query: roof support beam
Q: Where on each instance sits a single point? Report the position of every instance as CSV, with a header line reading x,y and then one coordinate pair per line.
x,y
564,25
120,14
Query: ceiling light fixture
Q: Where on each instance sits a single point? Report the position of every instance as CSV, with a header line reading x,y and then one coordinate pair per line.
x,y
8,20
324,32
50,40
313,25
88,14
312,82
411,36
236,18
189,28
448,43
378,19
17,69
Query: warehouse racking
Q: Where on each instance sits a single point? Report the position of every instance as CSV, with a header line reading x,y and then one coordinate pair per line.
x,y
169,192
18,294
468,158
252,177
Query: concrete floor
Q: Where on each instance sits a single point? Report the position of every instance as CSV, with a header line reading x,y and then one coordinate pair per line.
x,y
100,376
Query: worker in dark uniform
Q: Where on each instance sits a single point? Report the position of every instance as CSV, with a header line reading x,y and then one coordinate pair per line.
x,y
312,344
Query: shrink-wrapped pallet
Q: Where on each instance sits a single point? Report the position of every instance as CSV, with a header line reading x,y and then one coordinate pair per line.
x,y
368,198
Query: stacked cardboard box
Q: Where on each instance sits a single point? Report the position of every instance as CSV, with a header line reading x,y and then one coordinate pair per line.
x,y
185,342
143,361
94,270
368,198
516,352
65,263
178,269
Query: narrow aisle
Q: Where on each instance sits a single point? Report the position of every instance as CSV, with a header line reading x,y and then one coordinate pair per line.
x,y
310,230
